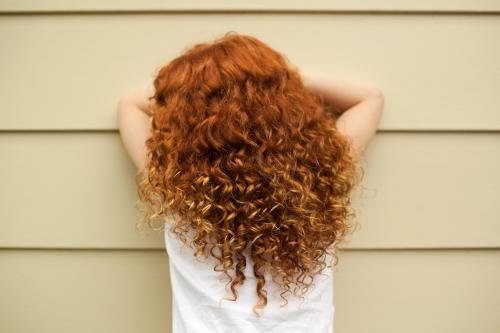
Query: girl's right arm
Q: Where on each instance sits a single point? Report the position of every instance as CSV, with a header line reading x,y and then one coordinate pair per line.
x,y
360,106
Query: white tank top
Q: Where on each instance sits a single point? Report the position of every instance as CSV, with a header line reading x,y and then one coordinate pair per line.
x,y
197,291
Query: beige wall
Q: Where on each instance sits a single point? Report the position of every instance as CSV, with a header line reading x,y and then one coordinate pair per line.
x,y
427,256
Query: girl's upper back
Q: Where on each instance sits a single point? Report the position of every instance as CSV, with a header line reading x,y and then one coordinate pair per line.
x,y
198,305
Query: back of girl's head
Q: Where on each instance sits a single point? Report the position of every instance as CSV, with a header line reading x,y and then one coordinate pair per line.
x,y
246,157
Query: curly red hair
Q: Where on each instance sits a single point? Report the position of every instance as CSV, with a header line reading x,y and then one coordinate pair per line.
x,y
245,155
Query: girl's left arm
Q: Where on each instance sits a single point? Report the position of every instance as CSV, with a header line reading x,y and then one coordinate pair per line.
x,y
134,117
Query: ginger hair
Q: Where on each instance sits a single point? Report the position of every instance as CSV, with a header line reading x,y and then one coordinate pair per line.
x,y
246,156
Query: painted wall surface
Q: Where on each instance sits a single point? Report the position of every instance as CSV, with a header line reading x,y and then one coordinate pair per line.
x,y
427,255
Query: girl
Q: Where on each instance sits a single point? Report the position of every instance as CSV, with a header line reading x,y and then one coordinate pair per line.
x,y
248,163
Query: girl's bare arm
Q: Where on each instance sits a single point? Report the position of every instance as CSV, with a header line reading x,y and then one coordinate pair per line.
x,y
361,106
134,110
